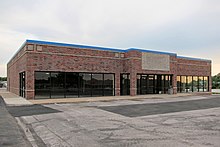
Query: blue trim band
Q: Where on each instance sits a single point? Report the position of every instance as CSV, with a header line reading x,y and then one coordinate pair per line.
x,y
97,48
151,51
74,45
191,58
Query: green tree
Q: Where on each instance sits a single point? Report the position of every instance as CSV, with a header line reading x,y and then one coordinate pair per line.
x,y
3,78
216,81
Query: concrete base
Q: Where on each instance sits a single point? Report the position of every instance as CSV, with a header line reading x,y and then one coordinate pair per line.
x,y
111,98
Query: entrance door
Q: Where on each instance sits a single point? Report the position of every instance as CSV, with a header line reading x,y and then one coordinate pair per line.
x,y
125,84
22,84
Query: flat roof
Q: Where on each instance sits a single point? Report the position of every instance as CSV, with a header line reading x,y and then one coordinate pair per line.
x,y
192,58
103,48
96,47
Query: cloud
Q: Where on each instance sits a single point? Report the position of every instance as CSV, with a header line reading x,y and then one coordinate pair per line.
x,y
10,41
3,72
94,21
186,27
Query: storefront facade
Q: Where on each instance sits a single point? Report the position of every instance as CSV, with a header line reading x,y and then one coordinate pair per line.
x,y
41,70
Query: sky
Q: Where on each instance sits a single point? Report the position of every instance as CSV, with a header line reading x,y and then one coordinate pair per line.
x,y
186,27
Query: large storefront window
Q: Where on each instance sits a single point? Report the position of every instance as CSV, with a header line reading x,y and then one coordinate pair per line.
x,y
72,84
184,84
206,84
138,84
178,83
109,85
85,87
153,84
42,85
189,84
195,84
97,85
201,84
192,84
66,85
57,85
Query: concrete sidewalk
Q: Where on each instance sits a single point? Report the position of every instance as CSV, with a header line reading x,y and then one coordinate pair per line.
x,y
112,98
13,99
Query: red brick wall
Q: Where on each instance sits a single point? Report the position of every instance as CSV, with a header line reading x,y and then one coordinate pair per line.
x,y
69,60
55,58
178,66
194,68
14,67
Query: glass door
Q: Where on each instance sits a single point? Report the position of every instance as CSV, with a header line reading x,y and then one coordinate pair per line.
x,y
22,84
125,84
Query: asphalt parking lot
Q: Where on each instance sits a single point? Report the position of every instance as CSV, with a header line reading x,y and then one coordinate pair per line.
x,y
11,135
181,121
137,110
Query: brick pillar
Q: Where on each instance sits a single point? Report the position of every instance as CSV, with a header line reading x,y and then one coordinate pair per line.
x,y
133,87
29,81
174,83
117,84
210,83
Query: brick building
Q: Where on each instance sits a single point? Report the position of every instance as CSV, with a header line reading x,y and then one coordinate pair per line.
x,y
57,70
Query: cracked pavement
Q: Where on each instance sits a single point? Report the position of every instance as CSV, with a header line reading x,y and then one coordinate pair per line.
x,y
90,125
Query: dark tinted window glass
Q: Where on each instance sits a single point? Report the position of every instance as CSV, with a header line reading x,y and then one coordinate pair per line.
x,y
138,84
189,83
144,84
42,85
206,84
97,84
150,84
153,84
85,86
108,84
184,84
156,84
201,84
162,84
125,84
159,84
57,85
195,84
72,84
22,84
166,83
61,84
178,84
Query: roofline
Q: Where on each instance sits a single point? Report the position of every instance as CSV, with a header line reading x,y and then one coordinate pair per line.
x,y
151,51
74,45
192,58
101,48
97,47
21,47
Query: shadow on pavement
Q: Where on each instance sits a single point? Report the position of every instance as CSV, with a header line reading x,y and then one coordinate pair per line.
x,y
29,110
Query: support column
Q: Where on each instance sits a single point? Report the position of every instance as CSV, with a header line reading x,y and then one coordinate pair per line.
x,y
210,83
117,84
29,81
174,83
133,84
